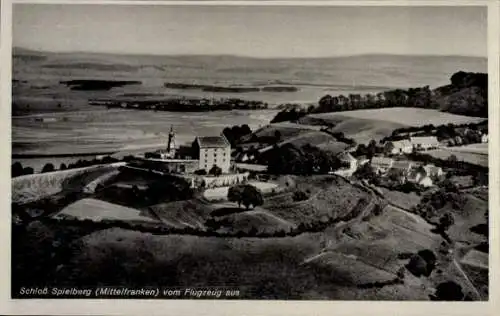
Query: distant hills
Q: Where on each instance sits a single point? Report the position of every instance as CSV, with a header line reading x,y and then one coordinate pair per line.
x,y
38,75
374,70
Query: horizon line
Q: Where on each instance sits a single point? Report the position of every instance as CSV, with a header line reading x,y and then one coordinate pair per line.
x,y
243,56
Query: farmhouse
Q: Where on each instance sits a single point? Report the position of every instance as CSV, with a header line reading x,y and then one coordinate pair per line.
x,y
433,171
348,160
381,164
420,176
404,166
424,143
398,147
484,138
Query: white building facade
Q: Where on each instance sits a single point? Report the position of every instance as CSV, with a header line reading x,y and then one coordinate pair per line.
x,y
213,150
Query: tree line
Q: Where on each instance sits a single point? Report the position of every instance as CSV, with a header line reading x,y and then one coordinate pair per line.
x,y
467,94
235,133
305,160
17,169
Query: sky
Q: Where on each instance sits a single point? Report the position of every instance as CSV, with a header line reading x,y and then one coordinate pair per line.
x,y
257,31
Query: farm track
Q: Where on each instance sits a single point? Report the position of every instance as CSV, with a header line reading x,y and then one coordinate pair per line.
x,y
466,277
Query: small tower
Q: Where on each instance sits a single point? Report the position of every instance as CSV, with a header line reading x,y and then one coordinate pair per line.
x,y
171,143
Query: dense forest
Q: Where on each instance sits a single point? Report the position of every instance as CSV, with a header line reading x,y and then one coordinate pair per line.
x,y
467,94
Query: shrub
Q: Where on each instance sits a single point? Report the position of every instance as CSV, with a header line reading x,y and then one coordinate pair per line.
x,y
300,196
215,171
17,169
48,168
417,266
28,170
200,172
449,291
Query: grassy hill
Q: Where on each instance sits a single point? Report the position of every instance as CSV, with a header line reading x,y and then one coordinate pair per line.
x,y
365,125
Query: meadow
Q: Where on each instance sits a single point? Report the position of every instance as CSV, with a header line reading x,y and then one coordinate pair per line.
x,y
97,210
476,158
125,131
365,125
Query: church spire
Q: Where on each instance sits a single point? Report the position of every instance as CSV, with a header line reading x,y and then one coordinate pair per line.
x,y
171,141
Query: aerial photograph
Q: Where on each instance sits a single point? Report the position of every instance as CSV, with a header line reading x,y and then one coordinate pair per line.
x,y
249,152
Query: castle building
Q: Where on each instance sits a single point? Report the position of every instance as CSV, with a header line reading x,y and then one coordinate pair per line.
x,y
213,150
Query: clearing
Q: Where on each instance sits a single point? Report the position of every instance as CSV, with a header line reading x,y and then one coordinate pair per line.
x,y
97,210
365,125
220,193
33,187
479,159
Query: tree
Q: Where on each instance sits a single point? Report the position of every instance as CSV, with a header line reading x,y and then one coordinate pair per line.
x,y
251,196
365,172
234,194
17,169
452,158
200,172
449,291
446,221
277,136
215,171
63,166
49,167
417,266
300,196
28,170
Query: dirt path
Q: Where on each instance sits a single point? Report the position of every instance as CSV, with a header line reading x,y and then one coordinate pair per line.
x,y
466,277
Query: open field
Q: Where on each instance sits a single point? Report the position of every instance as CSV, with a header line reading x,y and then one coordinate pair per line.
x,y
121,130
479,159
96,210
33,187
480,148
271,268
468,216
181,214
220,193
331,197
401,115
365,125
259,220
403,200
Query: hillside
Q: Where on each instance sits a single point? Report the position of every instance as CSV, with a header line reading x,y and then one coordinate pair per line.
x,y
467,94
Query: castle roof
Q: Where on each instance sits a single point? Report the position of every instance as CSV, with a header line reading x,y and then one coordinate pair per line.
x,y
212,142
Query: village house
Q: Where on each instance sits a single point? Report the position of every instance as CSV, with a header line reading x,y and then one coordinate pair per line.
x,y
484,138
398,147
348,161
403,166
424,143
420,176
362,160
381,164
433,171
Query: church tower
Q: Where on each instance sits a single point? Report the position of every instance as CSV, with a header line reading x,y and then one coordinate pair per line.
x,y
171,143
